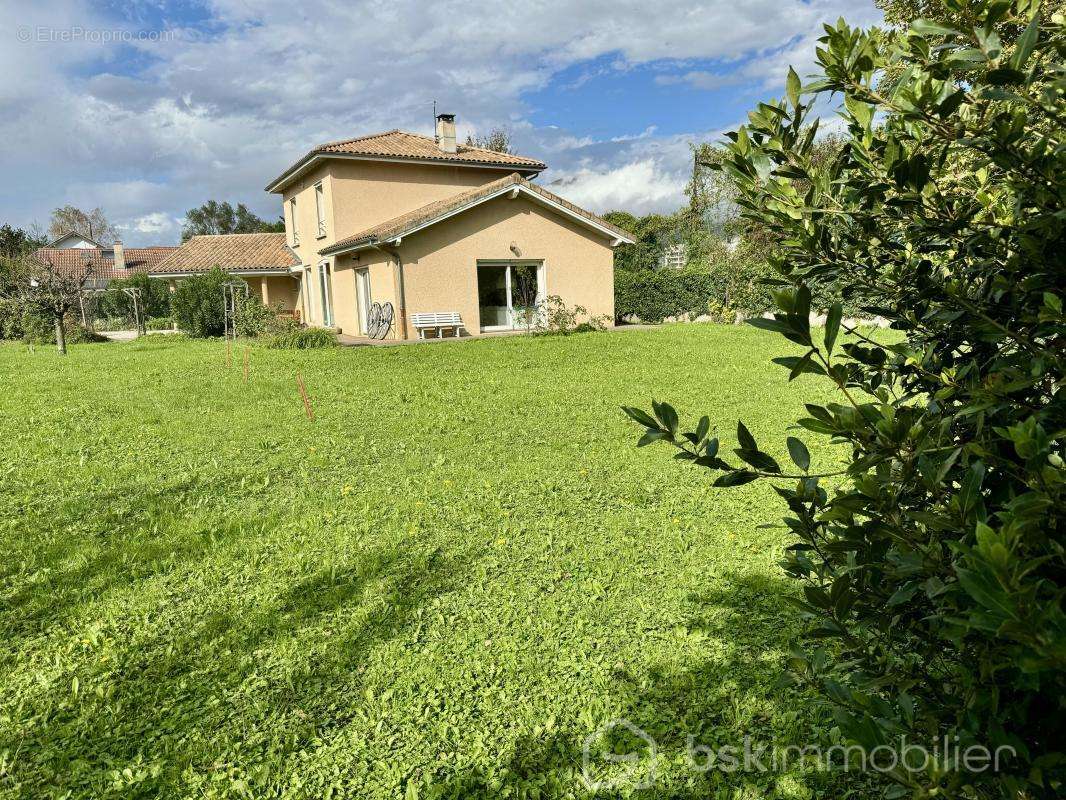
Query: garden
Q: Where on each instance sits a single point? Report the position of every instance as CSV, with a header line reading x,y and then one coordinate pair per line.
x,y
439,586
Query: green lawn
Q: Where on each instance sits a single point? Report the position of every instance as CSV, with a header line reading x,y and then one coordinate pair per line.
x,y
439,587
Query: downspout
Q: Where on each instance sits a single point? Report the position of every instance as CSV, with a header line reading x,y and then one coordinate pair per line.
x,y
401,297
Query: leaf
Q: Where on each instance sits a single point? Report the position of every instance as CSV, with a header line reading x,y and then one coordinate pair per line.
x,y
775,325
797,365
651,437
1026,42
642,417
798,452
702,427
710,450
758,459
792,87
929,28
667,416
747,441
737,477
832,326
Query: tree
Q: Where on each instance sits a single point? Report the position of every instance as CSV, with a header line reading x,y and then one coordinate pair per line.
x,y
214,218
37,285
498,140
197,303
932,564
15,242
652,233
92,225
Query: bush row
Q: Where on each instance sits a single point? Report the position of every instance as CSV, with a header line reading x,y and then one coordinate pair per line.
x,y
726,289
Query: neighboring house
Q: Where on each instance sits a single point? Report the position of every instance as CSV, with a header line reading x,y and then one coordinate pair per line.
x,y
263,260
73,239
104,263
673,256
432,226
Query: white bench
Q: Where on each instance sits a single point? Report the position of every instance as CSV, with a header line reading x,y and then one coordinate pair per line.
x,y
439,320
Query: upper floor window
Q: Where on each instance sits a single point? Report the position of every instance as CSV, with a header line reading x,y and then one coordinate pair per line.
x,y
292,221
320,210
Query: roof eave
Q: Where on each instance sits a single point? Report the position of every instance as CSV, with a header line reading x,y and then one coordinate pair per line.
x,y
616,237
301,166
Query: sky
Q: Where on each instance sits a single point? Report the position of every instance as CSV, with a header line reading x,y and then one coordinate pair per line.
x,y
149,108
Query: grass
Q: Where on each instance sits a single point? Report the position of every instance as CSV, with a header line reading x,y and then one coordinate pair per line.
x,y
437,588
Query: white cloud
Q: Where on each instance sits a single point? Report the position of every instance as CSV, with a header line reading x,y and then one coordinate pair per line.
x,y
640,187
216,116
154,223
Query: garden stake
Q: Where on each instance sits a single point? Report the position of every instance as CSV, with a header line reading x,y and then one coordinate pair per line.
x,y
303,394
247,353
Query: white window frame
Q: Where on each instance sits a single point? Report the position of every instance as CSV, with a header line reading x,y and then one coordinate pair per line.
x,y
292,220
542,287
325,293
308,295
363,298
320,209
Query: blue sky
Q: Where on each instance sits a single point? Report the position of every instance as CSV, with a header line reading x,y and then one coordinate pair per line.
x,y
147,109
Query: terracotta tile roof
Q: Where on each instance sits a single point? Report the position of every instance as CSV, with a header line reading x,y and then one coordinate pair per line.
x,y
74,260
399,226
231,251
397,144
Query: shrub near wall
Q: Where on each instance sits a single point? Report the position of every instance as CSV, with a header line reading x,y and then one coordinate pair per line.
x,y
652,296
197,304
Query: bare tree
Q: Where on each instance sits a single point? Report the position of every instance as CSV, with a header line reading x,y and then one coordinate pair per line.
x,y
92,225
37,283
498,140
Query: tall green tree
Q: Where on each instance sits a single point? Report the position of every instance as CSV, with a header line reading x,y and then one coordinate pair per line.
x,y
15,242
214,218
931,561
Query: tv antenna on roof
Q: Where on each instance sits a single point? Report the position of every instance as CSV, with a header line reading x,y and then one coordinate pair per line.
x,y
436,138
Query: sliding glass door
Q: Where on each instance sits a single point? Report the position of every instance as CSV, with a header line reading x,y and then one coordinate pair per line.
x,y
509,294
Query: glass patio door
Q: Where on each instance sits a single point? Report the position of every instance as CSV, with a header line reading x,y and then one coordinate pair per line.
x,y
505,292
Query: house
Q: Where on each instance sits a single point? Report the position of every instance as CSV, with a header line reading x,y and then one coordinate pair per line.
x,y
263,260
73,239
429,225
105,263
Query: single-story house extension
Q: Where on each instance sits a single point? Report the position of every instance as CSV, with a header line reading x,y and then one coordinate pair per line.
x,y
263,260
430,226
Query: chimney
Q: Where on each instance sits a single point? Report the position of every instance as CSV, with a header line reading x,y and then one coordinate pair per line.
x,y
446,133
120,256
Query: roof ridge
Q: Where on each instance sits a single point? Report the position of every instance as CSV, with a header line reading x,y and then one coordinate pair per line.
x,y
358,138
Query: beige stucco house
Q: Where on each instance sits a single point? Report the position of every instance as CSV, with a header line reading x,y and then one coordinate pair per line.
x,y
430,226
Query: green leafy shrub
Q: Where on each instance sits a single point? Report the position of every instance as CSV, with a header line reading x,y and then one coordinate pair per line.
x,y
654,295
197,304
252,318
164,323
293,337
932,566
38,329
115,304
11,325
